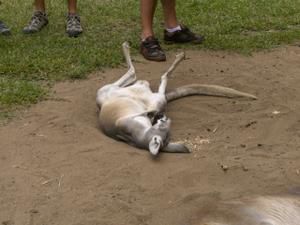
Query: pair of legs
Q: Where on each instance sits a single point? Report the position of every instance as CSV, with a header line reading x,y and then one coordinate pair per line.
x,y
147,13
40,19
40,6
173,33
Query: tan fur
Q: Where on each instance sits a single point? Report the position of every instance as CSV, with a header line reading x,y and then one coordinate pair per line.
x,y
263,210
131,112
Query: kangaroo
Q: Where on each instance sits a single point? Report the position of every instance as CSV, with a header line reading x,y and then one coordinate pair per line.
x,y
130,111
262,210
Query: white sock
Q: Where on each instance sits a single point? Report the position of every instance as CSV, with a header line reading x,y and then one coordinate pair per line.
x,y
171,30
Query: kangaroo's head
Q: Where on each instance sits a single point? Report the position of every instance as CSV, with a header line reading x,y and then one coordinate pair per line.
x,y
158,134
158,137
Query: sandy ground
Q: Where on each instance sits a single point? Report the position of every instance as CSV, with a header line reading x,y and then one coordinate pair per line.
x,y
57,168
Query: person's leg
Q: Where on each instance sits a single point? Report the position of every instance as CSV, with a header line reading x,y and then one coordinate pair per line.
x,y
39,18
169,8
39,5
147,10
72,6
73,25
174,32
4,30
150,47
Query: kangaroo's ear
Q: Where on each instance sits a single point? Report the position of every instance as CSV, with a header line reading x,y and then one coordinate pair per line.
x,y
155,145
176,148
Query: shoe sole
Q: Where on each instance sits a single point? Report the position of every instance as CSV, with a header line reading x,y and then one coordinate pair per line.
x,y
35,31
183,42
156,59
162,59
73,34
30,31
5,32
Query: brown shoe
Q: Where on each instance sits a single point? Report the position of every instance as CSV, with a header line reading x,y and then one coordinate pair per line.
x,y
185,35
151,50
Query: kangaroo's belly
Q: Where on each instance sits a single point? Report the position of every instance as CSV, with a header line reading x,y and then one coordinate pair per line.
x,y
115,109
141,94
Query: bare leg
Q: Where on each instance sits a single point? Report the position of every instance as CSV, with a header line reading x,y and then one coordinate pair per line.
x,y
147,11
39,18
39,5
72,6
73,24
150,47
169,8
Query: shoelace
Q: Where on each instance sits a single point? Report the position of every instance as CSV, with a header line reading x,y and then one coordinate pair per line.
x,y
73,21
36,18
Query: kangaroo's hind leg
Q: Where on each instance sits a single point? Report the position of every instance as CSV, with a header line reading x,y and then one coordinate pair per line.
x,y
129,77
164,77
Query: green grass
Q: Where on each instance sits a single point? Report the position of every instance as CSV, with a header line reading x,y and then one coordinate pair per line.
x,y
19,92
27,63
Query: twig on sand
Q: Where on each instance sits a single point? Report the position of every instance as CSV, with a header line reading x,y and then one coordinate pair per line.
x,y
47,181
60,179
215,130
51,180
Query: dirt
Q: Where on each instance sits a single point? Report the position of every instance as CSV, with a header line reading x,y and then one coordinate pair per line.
x,y
57,168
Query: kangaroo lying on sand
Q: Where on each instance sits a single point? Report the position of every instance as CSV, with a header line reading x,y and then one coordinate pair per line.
x,y
131,112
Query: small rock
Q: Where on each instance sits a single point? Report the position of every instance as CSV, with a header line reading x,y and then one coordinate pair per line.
x,y
245,168
224,167
7,222
250,124
276,112
34,211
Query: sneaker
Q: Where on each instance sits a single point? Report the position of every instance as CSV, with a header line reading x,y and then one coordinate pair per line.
x,y
38,21
4,29
151,50
73,27
182,36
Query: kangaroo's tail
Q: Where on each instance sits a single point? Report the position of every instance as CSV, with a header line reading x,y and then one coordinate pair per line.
x,y
209,90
